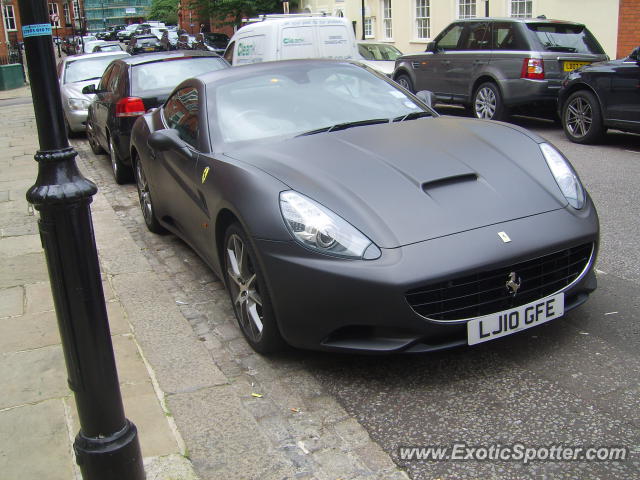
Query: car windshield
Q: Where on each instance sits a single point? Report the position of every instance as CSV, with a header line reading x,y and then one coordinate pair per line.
x,y
563,37
377,51
88,68
301,99
166,74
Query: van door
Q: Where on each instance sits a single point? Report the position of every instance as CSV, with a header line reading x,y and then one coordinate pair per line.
x,y
249,49
335,41
297,42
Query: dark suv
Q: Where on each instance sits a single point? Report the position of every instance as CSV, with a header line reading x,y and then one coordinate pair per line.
x,y
493,64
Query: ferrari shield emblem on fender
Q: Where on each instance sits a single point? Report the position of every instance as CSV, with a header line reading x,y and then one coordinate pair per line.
x,y
205,173
505,238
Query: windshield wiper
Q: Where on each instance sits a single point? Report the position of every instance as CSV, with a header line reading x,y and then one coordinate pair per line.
x,y
344,126
412,116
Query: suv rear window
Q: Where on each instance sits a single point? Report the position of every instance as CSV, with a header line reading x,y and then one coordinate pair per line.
x,y
562,37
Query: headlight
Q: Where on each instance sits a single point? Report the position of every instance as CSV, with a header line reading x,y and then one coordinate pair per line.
x,y
78,104
565,176
322,230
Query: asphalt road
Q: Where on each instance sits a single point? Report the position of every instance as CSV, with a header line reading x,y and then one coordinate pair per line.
x,y
571,382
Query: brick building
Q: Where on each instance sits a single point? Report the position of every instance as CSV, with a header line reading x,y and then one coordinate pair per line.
x,y
69,14
628,27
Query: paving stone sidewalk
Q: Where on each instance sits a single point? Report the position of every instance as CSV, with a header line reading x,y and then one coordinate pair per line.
x,y
187,375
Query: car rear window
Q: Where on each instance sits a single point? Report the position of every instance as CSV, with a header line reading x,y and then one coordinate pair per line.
x,y
88,68
167,74
562,37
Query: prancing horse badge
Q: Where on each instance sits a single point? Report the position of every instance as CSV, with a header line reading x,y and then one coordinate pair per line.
x,y
205,173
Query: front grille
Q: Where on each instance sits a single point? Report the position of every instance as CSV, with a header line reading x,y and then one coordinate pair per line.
x,y
486,292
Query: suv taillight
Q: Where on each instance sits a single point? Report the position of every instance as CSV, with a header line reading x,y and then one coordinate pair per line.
x,y
130,107
532,68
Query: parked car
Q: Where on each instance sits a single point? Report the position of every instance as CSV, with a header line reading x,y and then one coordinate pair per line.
x,y
379,56
74,73
129,88
125,34
600,96
217,42
169,40
108,47
89,46
490,65
344,214
292,37
143,44
111,33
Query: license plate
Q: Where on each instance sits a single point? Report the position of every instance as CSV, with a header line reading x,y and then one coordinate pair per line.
x,y
504,323
571,66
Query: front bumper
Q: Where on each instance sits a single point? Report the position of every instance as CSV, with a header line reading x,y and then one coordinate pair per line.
x,y
323,303
77,119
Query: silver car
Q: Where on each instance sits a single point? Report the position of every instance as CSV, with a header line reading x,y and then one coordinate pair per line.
x,y
74,73
492,65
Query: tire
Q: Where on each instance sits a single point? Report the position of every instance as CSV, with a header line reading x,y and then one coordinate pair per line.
x,y
146,202
405,82
487,102
582,118
121,172
248,292
96,148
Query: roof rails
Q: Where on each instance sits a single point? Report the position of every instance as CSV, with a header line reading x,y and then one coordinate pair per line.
x,y
262,18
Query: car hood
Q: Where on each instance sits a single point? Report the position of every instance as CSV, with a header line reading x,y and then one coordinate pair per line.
x,y
383,66
403,183
74,90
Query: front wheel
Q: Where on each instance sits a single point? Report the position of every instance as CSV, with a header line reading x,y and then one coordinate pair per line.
x,y
405,82
146,204
487,102
582,118
249,294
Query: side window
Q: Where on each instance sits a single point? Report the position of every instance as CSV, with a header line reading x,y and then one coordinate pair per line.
x,y
507,37
477,37
228,53
181,113
106,76
450,38
112,84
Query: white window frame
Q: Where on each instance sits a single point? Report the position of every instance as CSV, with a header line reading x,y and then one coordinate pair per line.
x,y
76,10
515,12
369,25
67,14
467,9
9,18
422,19
387,21
53,10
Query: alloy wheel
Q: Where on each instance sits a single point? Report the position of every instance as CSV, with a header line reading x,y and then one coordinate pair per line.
x,y
243,287
579,117
143,194
114,157
486,103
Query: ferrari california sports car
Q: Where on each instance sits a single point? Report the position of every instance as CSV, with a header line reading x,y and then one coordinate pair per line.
x,y
344,214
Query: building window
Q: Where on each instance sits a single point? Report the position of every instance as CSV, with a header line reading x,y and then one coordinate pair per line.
x,y
368,27
9,17
67,16
387,27
520,8
466,8
76,10
53,10
423,20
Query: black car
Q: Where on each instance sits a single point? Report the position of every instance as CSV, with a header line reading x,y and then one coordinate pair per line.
x,y
600,96
144,44
130,87
344,214
216,41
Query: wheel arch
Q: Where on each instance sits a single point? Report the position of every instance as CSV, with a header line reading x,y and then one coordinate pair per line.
x,y
580,86
485,78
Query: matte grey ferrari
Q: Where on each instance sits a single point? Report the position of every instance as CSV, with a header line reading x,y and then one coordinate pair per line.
x,y
344,214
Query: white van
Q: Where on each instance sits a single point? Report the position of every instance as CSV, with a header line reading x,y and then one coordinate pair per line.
x,y
290,37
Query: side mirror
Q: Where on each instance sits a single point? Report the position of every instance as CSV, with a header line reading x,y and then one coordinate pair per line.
x,y
163,140
425,96
431,47
89,89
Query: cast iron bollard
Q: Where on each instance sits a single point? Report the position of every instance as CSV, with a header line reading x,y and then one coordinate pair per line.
x,y
107,446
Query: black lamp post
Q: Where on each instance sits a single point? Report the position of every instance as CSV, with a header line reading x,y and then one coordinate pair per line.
x,y
107,446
